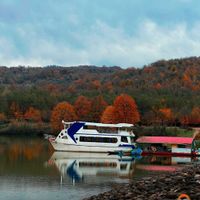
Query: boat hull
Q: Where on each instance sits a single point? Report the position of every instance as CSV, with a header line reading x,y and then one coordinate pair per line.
x,y
80,148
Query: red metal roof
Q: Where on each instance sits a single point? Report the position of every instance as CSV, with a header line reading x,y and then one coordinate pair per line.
x,y
164,140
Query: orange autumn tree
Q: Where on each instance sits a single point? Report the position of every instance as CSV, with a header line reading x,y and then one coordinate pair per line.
x,y
125,110
62,111
15,111
194,117
82,108
166,115
184,120
96,84
33,114
97,107
108,115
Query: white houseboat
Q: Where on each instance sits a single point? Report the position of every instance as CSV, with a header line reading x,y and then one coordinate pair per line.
x,y
94,137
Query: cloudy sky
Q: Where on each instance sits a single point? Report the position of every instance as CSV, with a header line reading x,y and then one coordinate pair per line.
x,y
97,32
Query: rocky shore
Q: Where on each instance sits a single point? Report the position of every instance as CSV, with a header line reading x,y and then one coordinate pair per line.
x,y
162,187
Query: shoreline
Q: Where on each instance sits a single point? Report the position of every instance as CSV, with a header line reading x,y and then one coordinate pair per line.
x,y
166,186
18,127
24,128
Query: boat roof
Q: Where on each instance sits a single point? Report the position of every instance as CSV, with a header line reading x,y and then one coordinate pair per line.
x,y
119,125
164,140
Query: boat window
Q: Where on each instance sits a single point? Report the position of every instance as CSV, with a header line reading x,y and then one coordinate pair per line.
x,y
181,146
89,127
101,129
124,139
106,130
98,139
65,137
123,166
98,164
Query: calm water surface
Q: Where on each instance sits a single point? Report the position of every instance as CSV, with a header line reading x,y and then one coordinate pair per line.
x,y
30,169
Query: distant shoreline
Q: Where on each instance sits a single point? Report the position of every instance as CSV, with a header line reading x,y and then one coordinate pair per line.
x,y
25,129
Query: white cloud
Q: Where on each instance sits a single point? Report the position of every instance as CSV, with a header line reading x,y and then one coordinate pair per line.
x,y
104,45
151,43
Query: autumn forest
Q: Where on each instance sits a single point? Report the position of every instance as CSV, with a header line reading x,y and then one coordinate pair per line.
x,y
164,93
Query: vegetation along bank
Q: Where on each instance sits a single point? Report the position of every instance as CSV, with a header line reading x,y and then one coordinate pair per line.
x,y
164,93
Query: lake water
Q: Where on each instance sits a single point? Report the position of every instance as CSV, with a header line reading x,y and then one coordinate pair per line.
x,y
30,169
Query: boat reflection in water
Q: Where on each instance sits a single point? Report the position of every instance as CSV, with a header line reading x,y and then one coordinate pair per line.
x,y
99,168
80,167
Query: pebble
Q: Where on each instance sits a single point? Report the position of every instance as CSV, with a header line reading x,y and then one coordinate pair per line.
x,y
167,186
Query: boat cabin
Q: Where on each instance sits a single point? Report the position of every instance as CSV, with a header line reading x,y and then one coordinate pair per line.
x,y
102,133
164,145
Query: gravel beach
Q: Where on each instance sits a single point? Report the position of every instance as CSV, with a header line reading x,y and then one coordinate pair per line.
x,y
166,186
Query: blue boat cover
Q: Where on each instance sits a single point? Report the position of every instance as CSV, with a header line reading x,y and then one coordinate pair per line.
x,y
74,128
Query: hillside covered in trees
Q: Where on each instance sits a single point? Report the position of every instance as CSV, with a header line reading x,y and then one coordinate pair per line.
x,y
165,92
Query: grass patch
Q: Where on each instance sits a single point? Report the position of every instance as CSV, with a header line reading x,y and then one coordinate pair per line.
x,y
176,131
